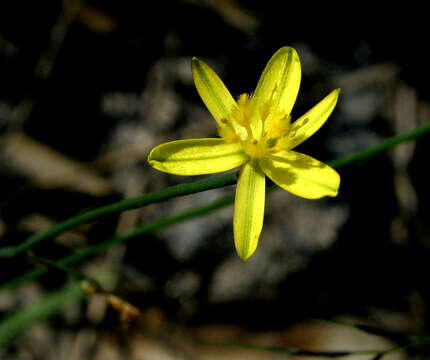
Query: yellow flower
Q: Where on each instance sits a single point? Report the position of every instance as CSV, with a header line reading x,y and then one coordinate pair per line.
x,y
256,133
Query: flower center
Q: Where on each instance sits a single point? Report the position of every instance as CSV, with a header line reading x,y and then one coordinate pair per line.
x,y
260,129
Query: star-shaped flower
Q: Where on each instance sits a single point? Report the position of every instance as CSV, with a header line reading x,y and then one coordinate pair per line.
x,y
257,134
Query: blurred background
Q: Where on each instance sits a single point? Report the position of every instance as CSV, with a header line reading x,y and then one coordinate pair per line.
x,y
87,88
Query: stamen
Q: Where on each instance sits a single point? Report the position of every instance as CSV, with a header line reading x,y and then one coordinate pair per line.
x,y
243,98
243,112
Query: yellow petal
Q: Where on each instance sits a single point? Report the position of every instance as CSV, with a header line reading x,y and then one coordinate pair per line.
x,y
309,123
280,81
301,175
196,156
248,209
212,90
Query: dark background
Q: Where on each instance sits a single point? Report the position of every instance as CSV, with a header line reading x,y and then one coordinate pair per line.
x,y
87,89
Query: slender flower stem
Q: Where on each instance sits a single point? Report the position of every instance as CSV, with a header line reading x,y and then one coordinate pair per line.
x,y
380,147
158,196
51,304
178,190
191,188
92,250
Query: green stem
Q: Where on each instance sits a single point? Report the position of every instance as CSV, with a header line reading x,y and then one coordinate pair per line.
x,y
14,324
381,147
158,196
185,189
93,250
